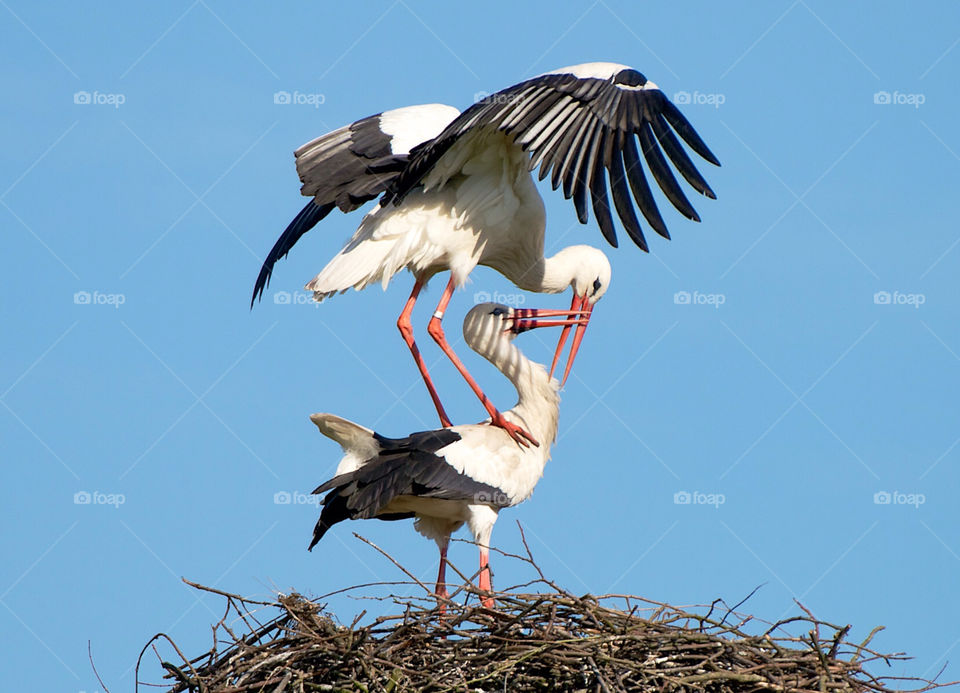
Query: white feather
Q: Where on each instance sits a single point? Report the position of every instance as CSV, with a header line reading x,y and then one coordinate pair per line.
x,y
357,442
587,70
413,125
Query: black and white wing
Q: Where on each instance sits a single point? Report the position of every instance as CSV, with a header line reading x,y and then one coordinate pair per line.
x,y
350,166
404,467
583,123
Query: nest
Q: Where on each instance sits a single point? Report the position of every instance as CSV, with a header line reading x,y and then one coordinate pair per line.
x,y
532,641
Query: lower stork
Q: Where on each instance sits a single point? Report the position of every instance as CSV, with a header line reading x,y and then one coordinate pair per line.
x,y
457,475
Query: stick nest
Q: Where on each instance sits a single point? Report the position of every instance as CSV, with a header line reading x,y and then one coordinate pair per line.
x,y
532,641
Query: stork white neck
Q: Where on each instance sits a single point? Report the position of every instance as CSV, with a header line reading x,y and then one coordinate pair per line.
x,y
538,405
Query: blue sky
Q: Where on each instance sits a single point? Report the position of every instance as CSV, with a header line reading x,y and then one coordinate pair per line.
x,y
816,365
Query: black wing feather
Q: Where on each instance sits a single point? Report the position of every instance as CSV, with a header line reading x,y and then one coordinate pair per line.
x,y
581,147
661,173
683,127
679,157
621,196
641,189
598,190
308,217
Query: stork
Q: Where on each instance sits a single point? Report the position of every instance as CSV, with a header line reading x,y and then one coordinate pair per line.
x,y
456,191
457,475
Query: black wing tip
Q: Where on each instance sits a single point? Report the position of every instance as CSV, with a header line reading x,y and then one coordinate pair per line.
x,y
306,219
263,283
317,536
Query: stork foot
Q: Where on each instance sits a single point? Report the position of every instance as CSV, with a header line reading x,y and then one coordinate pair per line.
x,y
519,435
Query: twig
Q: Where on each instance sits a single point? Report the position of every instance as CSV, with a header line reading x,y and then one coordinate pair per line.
x,y
395,562
94,667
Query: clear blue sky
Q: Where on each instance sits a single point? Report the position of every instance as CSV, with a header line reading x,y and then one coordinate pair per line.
x,y
798,399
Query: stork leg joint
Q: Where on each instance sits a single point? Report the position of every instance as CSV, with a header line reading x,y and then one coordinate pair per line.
x,y
435,329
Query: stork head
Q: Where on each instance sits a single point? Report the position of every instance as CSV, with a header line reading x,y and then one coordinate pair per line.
x,y
488,327
589,272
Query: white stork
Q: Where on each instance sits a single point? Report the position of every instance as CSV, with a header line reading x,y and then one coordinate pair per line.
x,y
456,191
451,476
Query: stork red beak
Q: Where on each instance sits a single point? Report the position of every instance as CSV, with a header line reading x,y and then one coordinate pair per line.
x,y
530,318
583,309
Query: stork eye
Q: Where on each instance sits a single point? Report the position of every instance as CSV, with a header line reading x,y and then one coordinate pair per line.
x,y
498,312
596,285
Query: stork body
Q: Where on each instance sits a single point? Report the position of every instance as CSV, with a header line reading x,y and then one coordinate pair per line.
x,y
457,191
452,476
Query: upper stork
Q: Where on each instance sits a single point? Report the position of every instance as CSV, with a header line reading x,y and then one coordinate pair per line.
x,y
456,191
451,476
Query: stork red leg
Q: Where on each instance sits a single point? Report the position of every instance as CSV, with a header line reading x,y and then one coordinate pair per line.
x,y
441,590
406,331
435,328
484,579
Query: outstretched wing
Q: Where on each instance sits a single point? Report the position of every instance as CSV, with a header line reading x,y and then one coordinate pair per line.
x,y
583,123
350,166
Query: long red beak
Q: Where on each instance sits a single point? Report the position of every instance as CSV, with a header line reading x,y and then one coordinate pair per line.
x,y
583,309
529,318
